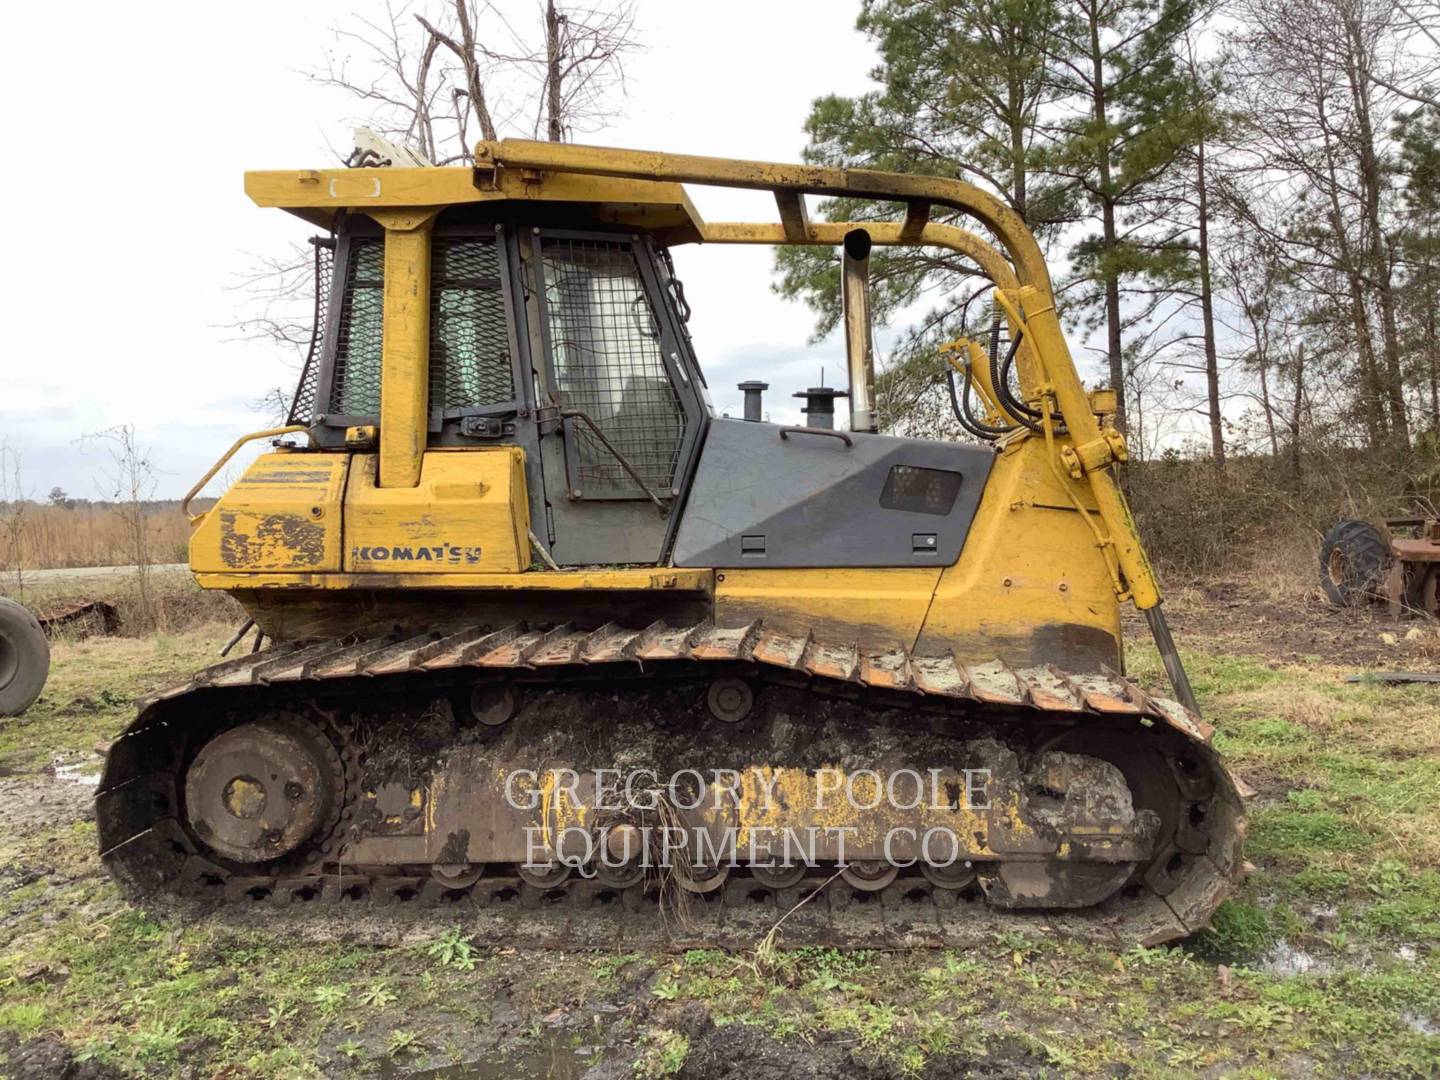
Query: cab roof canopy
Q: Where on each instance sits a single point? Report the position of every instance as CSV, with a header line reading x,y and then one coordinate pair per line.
x,y
320,195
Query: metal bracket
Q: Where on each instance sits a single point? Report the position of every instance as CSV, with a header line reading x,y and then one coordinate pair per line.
x,y
486,427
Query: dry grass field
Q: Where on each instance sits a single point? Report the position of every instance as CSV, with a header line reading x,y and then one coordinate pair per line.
x,y
91,534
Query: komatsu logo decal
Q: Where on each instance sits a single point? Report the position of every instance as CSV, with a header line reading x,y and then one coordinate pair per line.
x,y
451,554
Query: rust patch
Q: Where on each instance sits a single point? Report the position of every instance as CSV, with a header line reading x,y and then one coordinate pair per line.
x,y
279,540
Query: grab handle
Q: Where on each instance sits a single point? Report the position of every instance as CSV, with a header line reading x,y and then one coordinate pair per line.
x,y
269,433
831,432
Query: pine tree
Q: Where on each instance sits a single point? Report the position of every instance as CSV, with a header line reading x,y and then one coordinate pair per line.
x,y
961,87
1124,125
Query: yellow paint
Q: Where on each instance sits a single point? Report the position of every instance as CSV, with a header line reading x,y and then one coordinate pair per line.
x,y
880,607
622,580
606,161
317,195
892,233
283,514
1030,562
467,514
405,356
1042,326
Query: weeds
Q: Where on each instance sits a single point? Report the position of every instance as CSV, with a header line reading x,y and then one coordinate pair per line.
x,y
452,949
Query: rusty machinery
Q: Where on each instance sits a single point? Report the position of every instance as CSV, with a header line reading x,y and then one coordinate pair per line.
x,y
505,553
1396,563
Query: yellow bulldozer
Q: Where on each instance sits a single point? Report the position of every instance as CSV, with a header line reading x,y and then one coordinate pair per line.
x,y
546,638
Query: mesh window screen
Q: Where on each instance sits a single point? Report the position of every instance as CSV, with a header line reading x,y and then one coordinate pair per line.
x,y
469,344
355,389
608,363
302,406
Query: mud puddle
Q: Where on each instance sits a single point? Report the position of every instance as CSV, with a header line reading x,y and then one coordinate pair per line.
x,y
85,772
1287,959
556,1058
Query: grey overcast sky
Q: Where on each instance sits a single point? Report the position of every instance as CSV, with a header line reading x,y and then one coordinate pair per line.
x,y
128,224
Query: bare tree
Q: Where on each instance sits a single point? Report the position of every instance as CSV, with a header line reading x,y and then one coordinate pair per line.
x,y
12,514
433,76
130,483
1319,187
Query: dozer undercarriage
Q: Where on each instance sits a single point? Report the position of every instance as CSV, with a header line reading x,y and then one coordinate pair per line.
x,y
384,771
555,646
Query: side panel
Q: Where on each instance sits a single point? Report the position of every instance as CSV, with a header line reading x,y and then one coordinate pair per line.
x,y
809,500
1031,586
283,514
469,515
876,608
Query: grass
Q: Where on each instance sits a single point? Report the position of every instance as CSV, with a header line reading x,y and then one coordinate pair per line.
x,y
93,534
1345,835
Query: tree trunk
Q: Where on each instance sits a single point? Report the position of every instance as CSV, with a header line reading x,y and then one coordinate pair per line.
x,y
1269,409
1017,145
1295,414
1107,250
1378,257
555,129
466,51
1375,424
1207,312
1432,344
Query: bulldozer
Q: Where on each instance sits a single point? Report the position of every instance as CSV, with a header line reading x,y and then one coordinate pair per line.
x,y
541,635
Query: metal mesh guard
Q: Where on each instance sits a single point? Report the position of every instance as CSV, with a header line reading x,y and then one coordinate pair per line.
x,y
302,405
355,389
608,363
469,340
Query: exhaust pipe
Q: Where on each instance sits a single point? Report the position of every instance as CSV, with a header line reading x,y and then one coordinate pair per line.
x,y
859,349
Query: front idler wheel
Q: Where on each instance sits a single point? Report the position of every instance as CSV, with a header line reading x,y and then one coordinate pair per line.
x,y
262,790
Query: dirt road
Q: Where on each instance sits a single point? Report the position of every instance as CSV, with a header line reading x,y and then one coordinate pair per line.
x,y
83,573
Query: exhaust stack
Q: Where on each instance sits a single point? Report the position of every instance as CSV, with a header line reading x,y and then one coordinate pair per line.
x,y
859,349
754,407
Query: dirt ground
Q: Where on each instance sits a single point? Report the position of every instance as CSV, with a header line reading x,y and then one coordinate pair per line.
x,y
1327,963
1298,626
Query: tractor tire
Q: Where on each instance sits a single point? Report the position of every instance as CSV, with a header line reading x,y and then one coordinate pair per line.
x,y
1354,559
24,658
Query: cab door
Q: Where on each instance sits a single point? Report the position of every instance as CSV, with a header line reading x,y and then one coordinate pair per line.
x,y
620,413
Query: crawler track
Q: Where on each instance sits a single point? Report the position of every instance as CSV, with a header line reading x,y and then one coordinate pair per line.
x,y
393,710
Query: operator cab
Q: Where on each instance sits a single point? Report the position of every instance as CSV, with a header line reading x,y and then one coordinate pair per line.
x,y
565,337
568,342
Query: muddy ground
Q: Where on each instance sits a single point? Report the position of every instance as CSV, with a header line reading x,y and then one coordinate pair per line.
x,y
1328,962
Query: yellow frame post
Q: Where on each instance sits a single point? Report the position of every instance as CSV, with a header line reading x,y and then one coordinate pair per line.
x,y
405,350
